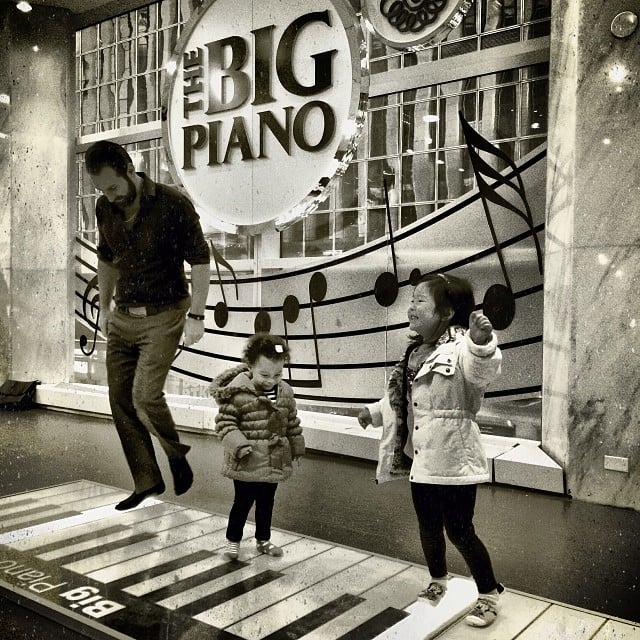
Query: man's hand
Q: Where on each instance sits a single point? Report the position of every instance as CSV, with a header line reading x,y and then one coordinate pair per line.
x,y
193,331
103,320
480,328
364,418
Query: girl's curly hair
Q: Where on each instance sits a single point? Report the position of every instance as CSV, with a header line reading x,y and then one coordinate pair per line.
x,y
265,344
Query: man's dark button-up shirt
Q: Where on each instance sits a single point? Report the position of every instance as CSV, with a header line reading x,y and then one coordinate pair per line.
x,y
150,257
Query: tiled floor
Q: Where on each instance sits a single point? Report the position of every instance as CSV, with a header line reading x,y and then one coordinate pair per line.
x,y
158,572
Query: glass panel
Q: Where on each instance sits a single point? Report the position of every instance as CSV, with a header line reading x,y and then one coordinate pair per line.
x,y
125,26
126,59
318,234
537,30
529,144
418,177
419,210
89,38
107,106
89,110
168,11
498,113
89,75
291,240
107,32
347,188
383,132
535,71
495,14
428,55
347,230
236,246
450,133
533,108
376,223
456,173
167,40
107,65
125,102
419,126
537,9
146,53
376,169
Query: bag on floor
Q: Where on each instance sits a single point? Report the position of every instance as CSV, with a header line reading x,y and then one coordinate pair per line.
x,y
18,396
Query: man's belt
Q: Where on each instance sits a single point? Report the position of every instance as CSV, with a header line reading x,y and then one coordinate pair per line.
x,y
142,311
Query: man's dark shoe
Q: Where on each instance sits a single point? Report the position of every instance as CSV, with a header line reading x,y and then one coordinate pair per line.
x,y
137,497
182,475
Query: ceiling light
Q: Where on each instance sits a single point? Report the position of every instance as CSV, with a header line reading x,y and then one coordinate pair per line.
x,y
24,6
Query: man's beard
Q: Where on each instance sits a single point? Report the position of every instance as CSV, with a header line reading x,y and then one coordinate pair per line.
x,y
124,201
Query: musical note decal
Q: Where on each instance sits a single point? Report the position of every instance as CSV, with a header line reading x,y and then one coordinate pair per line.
x,y
386,287
221,310
262,322
499,302
95,315
290,313
346,357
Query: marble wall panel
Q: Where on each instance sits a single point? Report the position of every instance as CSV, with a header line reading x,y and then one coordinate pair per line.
x,y
591,367
39,333
37,202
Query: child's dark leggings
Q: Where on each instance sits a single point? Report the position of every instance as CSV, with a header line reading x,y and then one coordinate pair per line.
x,y
450,508
263,494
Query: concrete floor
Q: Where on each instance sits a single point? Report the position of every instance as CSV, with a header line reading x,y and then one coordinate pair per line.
x,y
578,553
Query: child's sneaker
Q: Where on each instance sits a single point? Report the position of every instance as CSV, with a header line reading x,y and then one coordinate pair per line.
x,y
486,609
435,591
232,550
266,546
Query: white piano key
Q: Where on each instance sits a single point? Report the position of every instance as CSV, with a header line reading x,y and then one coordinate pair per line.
x,y
561,623
111,518
303,575
154,525
354,580
39,494
294,553
398,592
146,561
164,539
426,620
212,542
518,612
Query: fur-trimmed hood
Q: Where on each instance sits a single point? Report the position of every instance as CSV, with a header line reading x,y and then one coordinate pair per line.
x,y
224,386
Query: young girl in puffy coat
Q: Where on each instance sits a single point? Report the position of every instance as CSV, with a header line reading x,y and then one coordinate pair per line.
x,y
429,430
257,421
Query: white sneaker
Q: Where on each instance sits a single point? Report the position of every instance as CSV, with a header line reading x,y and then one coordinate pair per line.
x,y
267,547
232,550
435,590
486,609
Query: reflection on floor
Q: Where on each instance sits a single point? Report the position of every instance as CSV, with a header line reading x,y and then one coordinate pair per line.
x,y
158,572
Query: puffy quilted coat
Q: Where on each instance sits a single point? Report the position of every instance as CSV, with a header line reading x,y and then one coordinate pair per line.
x,y
438,441
247,419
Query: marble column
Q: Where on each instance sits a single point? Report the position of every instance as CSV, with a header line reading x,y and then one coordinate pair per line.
x,y
36,195
591,378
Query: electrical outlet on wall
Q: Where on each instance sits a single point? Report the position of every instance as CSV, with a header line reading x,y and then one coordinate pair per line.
x,y
615,463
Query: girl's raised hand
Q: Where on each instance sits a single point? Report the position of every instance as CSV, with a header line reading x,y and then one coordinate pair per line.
x,y
480,327
364,418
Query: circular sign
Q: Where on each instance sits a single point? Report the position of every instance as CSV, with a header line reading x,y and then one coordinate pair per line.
x,y
413,24
263,107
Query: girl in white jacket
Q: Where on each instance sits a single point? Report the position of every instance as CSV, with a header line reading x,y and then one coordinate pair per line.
x,y
429,430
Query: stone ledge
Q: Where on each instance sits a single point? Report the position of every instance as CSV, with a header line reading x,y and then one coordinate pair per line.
x,y
512,461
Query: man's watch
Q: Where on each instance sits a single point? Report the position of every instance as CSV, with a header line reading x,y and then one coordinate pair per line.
x,y
195,316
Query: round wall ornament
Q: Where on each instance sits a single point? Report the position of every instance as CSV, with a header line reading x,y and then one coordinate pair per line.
x,y
413,24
